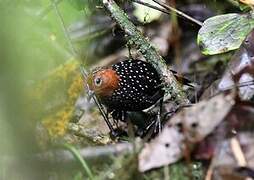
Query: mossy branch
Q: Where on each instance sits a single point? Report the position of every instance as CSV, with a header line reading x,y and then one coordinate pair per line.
x,y
137,40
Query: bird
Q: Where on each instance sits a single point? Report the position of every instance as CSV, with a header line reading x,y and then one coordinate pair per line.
x,y
129,85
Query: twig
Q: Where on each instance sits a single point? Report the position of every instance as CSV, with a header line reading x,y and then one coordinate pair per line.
x,y
151,6
238,85
143,46
209,172
238,153
178,12
182,14
55,5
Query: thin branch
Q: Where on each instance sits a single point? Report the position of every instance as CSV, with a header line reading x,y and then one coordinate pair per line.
x,y
209,172
166,11
237,152
151,6
239,85
136,39
178,12
55,5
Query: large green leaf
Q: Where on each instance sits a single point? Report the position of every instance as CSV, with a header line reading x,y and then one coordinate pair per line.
x,y
223,33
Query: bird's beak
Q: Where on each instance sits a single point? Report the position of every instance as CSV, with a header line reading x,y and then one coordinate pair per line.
x,y
90,95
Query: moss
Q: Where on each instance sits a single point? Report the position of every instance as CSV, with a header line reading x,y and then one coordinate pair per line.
x,y
56,124
129,169
53,98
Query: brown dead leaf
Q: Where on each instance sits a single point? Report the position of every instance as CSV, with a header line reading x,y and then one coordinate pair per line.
x,y
164,150
224,161
239,119
201,119
249,2
192,124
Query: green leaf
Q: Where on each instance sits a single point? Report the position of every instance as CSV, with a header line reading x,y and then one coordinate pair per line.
x,y
223,33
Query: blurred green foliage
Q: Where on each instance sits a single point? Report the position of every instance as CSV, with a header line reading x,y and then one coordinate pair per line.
x,y
33,45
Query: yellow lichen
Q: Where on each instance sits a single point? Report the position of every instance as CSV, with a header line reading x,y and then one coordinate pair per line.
x,y
55,97
56,124
75,88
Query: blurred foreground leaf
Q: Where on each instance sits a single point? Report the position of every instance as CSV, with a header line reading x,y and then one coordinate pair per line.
x,y
223,33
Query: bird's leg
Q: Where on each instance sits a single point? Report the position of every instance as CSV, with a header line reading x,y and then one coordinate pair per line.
x,y
158,117
118,132
130,126
123,118
115,120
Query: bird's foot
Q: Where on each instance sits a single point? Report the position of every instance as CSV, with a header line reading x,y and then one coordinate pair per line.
x,y
117,133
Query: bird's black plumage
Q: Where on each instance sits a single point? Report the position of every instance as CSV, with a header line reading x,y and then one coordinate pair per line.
x,y
140,86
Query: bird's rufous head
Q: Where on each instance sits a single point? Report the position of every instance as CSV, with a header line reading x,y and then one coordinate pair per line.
x,y
103,82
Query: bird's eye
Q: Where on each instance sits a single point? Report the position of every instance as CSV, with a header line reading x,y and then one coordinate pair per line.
x,y
97,81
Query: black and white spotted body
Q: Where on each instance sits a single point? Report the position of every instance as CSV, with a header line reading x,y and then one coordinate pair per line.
x,y
140,86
